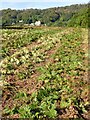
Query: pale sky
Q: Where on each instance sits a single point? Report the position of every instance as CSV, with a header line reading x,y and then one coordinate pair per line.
x,y
39,4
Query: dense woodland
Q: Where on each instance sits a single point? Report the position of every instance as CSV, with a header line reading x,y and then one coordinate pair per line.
x,y
74,15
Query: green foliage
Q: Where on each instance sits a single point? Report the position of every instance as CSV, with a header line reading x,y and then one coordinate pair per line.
x,y
74,15
79,19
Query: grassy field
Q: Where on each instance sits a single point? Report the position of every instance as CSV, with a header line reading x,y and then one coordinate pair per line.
x,y
45,73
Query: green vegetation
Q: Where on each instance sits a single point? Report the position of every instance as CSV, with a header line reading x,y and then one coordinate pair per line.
x,y
44,73
74,15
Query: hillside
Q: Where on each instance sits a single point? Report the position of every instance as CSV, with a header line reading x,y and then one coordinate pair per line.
x,y
74,15
45,73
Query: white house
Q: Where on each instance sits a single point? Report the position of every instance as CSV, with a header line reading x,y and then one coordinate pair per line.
x,y
20,21
32,24
13,23
38,23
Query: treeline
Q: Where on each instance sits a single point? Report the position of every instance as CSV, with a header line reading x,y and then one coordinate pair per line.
x,y
74,15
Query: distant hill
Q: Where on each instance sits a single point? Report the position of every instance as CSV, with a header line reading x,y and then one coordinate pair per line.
x,y
74,15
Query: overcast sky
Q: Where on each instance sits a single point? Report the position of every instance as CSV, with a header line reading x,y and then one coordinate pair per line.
x,y
40,4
